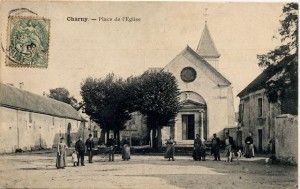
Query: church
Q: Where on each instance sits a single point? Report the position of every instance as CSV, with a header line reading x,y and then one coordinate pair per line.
x,y
206,95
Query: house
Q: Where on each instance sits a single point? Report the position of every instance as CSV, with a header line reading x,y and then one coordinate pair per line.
x,y
29,121
257,114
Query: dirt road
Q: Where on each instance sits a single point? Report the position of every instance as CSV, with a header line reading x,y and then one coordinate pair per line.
x,y
38,171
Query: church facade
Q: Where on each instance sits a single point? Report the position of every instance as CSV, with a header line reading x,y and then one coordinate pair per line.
x,y
205,93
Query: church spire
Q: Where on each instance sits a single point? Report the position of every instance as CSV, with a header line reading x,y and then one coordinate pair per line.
x,y
206,47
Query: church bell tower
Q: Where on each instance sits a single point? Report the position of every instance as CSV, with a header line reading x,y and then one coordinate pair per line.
x,y
207,49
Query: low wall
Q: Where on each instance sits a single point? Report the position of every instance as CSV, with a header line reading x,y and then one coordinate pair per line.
x,y
286,138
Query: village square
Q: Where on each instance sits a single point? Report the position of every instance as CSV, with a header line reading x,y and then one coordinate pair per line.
x,y
190,121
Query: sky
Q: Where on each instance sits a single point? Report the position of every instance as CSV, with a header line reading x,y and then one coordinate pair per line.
x,y
93,49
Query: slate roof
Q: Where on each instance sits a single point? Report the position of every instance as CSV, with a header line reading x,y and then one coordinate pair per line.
x,y
12,97
206,47
260,81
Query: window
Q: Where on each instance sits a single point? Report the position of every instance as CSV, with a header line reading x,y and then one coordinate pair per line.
x,y
95,133
188,74
30,117
260,107
52,120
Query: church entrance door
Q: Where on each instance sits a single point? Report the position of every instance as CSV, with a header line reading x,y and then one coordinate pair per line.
x,y
188,127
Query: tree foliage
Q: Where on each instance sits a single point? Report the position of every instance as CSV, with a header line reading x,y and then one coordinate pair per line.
x,y
160,98
156,95
105,102
283,60
110,101
63,95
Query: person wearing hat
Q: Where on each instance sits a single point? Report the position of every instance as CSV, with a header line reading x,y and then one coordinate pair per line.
x,y
61,154
89,147
215,147
80,149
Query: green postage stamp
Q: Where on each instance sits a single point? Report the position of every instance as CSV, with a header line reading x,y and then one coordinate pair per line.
x,y
28,41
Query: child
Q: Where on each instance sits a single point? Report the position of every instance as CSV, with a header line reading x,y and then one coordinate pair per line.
x,y
74,158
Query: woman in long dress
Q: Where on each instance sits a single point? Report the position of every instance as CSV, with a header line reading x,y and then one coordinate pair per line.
x,y
61,154
197,153
170,149
126,150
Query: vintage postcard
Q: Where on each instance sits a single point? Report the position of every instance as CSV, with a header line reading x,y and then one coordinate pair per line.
x,y
148,94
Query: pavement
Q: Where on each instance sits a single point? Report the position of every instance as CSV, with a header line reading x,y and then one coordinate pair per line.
x,y
37,170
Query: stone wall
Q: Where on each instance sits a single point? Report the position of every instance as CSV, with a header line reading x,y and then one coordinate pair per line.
x,y
251,121
286,138
29,130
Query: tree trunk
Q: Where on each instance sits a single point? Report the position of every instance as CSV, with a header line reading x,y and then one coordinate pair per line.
x,y
159,141
107,136
154,139
117,133
149,137
102,136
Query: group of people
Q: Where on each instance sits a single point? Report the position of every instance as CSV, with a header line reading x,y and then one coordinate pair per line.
x,y
199,152
81,148
78,153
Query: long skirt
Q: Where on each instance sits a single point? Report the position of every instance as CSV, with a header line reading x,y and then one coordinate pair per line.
x,y
197,153
170,151
249,150
60,161
126,152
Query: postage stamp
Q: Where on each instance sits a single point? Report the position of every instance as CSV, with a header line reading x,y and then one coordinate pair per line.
x,y
28,41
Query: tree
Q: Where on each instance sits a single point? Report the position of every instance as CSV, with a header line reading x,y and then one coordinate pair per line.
x,y
284,59
63,95
156,95
105,102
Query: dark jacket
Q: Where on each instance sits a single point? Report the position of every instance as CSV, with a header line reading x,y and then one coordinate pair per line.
x,y
197,142
125,142
111,142
79,147
249,139
89,144
216,142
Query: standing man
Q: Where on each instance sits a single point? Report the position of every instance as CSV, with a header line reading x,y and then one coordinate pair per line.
x,y
249,149
80,148
215,147
89,147
229,144
111,144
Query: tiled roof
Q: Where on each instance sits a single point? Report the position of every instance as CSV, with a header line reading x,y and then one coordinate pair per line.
x,y
15,98
206,47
